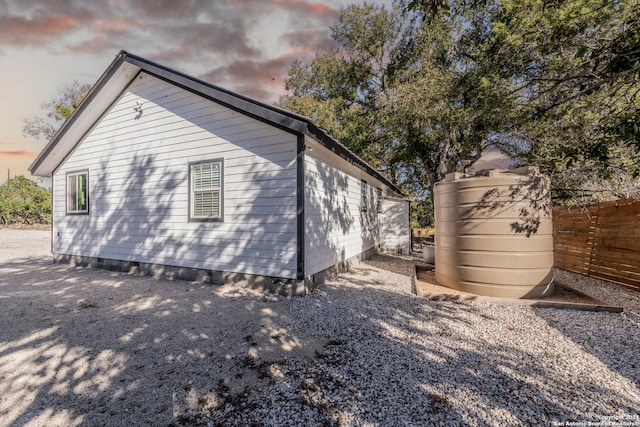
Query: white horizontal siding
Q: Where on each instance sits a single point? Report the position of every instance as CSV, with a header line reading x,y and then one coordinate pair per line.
x,y
336,228
396,235
138,189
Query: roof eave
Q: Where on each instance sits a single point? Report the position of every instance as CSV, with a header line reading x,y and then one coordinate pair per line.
x,y
126,66
264,112
53,154
342,151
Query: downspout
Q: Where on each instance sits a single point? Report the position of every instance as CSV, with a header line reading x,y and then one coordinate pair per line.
x,y
300,269
52,215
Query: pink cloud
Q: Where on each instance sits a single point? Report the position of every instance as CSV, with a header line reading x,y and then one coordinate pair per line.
x,y
199,41
117,25
24,31
313,8
17,153
171,9
309,39
96,44
262,80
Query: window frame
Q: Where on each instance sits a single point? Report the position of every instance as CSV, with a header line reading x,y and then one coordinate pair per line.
x,y
192,217
379,198
364,189
67,196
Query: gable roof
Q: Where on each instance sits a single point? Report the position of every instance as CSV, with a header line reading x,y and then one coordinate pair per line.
x,y
126,67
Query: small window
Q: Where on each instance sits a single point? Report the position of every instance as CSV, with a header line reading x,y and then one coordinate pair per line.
x,y
77,192
206,191
379,200
363,195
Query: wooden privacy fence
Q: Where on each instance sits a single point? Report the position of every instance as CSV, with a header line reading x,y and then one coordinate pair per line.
x,y
602,241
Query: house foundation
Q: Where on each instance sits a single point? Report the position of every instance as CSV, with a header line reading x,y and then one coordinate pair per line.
x,y
275,285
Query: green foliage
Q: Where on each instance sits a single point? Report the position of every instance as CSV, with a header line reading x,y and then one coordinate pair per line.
x,y
422,214
56,111
569,74
341,89
22,201
443,109
421,89
400,94
353,91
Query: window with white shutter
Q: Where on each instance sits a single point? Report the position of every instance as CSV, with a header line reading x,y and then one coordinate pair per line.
x,y
206,191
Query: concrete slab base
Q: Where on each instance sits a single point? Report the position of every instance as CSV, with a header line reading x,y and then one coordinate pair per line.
x,y
426,286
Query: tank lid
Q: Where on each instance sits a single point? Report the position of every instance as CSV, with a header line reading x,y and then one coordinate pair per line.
x,y
491,173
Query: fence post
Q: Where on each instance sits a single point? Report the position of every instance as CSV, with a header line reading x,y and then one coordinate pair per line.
x,y
594,224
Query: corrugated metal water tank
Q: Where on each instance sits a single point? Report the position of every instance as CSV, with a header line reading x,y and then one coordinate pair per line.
x,y
494,233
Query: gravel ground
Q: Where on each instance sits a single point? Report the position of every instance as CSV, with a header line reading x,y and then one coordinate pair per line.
x,y
91,347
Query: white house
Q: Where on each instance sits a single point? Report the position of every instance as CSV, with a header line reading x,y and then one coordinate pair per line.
x,y
162,173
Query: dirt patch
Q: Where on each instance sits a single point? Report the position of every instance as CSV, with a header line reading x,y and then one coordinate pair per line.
x,y
92,347
134,350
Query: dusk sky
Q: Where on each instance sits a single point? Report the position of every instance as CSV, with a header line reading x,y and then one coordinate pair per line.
x,y
242,45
